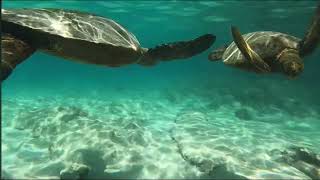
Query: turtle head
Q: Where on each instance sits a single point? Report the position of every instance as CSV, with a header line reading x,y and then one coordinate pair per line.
x,y
217,54
291,62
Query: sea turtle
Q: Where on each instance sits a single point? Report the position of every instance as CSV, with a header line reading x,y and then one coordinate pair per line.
x,y
268,51
83,37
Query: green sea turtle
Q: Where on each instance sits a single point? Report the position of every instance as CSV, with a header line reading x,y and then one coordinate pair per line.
x,y
82,37
268,51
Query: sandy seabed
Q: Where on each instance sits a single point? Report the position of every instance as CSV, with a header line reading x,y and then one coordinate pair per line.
x,y
164,134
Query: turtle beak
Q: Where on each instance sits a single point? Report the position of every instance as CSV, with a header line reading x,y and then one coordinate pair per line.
x,y
292,63
294,69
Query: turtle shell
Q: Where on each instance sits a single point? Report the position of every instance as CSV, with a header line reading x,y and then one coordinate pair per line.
x,y
74,35
266,44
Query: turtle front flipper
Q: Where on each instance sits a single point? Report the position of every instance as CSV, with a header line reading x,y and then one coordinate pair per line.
x,y
177,50
248,53
312,37
13,52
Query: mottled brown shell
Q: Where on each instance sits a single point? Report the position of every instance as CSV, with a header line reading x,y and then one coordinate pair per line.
x,y
74,35
266,44
73,25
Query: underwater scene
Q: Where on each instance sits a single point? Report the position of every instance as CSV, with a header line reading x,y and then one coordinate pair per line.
x,y
171,98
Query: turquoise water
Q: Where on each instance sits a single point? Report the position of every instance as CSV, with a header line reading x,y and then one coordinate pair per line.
x,y
178,119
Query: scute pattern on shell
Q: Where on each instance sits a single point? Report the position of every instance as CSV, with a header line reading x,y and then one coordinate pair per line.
x,y
73,25
266,44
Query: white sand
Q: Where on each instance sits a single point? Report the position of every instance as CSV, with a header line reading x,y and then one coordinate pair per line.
x,y
133,137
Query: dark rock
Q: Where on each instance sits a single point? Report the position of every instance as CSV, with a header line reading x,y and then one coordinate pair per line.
x,y
301,154
214,105
172,97
308,169
221,172
137,138
116,108
205,165
76,171
91,159
83,171
243,114
71,113
302,159
132,125
211,169
65,174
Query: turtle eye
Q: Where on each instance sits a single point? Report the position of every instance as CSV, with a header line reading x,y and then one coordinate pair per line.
x,y
215,55
294,69
291,62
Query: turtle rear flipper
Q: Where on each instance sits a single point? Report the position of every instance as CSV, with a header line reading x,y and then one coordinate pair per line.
x,y
312,37
177,50
13,52
248,53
